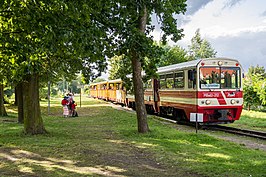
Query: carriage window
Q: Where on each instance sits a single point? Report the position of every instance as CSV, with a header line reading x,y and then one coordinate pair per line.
x,y
179,79
117,86
220,77
103,86
230,77
111,86
169,80
192,78
162,82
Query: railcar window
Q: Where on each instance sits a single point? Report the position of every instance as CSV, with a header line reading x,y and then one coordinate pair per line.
x,y
220,77
162,82
103,86
179,79
118,86
169,80
192,78
111,86
230,77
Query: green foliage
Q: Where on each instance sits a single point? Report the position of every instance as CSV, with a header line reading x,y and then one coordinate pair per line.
x,y
255,88
200,48
256,70
52,38
173,55
9,92
98,79
131,41
43,93
118,67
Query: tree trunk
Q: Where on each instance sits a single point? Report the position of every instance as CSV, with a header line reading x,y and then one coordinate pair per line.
x,y
33,123
2,106
137,80
139,97
16,96
19,95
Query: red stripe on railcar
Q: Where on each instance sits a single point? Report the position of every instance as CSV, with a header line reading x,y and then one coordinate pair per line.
x,y
233,94
213,94
178,94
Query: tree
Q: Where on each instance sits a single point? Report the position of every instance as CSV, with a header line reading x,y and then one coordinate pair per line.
x,y
173,55
255,87
130,23
41,37
200,48
98,79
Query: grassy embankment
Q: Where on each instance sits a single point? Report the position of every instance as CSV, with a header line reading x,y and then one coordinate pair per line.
x,y
104,142
252,120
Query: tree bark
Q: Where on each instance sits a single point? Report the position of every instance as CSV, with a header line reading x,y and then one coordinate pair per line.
x,y
16,96
139,97
137,80
33,123
2,106
19,95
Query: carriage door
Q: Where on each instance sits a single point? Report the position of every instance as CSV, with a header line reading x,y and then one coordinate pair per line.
x,y
118,93
192,80
155,95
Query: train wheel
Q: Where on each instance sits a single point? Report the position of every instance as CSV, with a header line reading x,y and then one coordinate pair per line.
x,y
149,109
178,115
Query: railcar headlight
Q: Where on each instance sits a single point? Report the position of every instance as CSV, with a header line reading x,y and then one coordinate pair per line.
x,y
233,101
207,102
220,63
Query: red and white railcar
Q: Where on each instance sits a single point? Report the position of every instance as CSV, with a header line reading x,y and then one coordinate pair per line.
x,y
205,90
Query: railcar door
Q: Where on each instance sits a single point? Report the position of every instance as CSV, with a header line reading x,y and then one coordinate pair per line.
x,y
192,109
155,95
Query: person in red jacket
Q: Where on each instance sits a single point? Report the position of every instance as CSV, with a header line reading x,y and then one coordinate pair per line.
x,y
65,103
73,108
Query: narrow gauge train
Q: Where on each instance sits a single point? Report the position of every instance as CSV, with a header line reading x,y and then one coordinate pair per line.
x,y
112,90
208,91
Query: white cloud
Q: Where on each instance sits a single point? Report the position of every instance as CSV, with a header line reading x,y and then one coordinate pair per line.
x,y
235,28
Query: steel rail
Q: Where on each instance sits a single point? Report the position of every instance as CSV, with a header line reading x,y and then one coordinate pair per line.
x,y
250,133
243,132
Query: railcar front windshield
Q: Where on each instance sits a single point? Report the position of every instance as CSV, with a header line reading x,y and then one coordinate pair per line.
x,y
220,77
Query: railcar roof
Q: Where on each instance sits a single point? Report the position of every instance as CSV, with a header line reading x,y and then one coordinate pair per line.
x,y
188,64
114,81
178,66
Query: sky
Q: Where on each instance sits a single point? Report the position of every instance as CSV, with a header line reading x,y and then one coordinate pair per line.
x,y
235,28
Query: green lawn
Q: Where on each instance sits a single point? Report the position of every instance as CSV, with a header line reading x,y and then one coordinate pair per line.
x,y
252,120
104,141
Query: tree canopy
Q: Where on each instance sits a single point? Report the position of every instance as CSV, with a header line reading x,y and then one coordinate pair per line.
x,y
255,87
50,38
40,38
200,48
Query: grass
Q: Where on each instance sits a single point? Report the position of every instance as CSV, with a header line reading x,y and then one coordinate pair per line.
x,y
104,141
252,120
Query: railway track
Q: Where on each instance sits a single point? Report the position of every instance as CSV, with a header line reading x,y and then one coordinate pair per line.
x,y
249,133
243,132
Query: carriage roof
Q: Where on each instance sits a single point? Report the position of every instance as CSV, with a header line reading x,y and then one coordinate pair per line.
x,y
189,64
